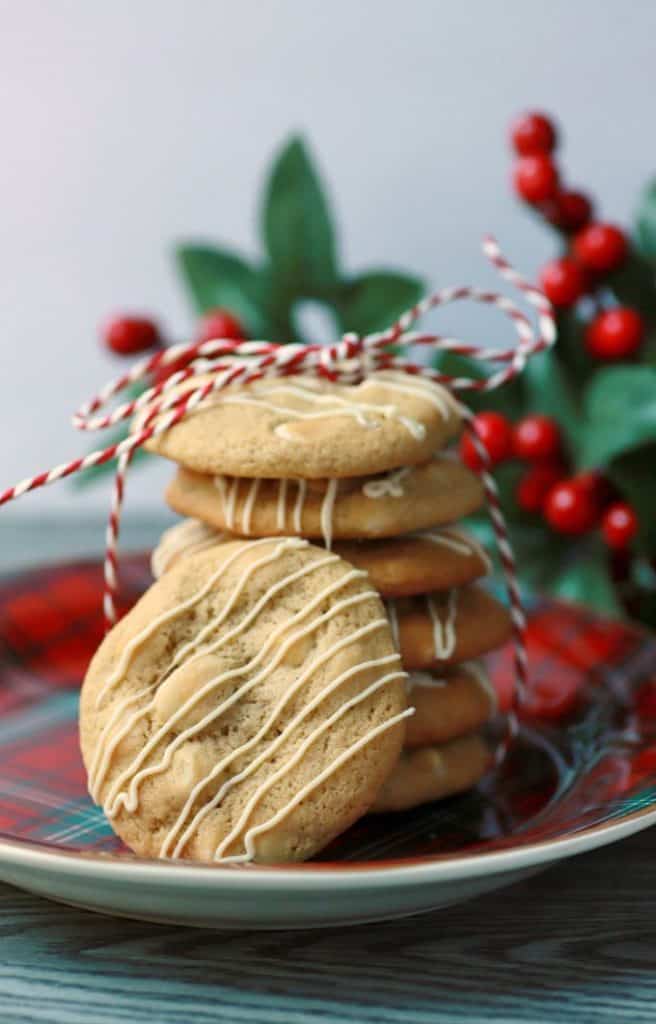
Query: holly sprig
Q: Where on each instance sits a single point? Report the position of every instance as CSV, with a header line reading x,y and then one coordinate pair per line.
x,y
575,436
239,296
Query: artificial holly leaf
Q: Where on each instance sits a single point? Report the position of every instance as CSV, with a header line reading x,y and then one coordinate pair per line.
x,y
571,351
297,227
634,474
587,581
646,222
620,413
217,278
548,391
375,300
633,285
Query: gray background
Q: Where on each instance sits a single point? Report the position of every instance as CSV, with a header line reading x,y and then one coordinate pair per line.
x,y
128,125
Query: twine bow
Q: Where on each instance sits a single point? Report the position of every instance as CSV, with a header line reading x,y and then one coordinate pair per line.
x,y
223,363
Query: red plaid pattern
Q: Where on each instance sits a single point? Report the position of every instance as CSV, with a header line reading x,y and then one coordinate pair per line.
x,y
587,753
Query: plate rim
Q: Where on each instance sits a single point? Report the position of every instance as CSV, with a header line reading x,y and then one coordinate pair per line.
x,y
318,875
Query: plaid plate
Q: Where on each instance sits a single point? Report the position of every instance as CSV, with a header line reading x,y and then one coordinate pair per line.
x,y
586,755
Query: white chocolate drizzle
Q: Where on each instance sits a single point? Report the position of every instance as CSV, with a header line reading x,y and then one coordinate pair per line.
x,y
185,538
299,505
464,544
281,506
424,681
103,753
327,512
388,486
248,507
124,789
444,631
270,395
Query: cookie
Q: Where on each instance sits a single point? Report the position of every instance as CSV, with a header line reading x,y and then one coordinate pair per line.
x,y
420,562
448,704
185,538
447,627
249,707
414,498
432,773
436,559
310,428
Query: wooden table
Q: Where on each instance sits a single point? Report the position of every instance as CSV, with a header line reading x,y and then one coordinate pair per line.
x,y
576,943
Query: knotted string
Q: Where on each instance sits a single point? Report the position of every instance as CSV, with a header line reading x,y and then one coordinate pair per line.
x,y
223,363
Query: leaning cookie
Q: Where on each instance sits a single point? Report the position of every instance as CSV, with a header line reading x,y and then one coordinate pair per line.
x,y
437,559
447,627
449,703
185,538
415,498
304,427
432,773
249,707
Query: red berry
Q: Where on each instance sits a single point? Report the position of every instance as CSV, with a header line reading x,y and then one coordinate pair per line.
x,y
600,247
127,335
533,133
536,437
615,334
535,177
219,323
570,508
569,211
619,525
495,432
164,372
562,281
596,484
535,485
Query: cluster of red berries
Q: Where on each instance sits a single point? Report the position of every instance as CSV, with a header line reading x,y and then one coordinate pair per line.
x,y
570,504
595,248
132,335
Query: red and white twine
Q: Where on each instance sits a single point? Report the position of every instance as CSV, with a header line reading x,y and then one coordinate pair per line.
x,y
224,362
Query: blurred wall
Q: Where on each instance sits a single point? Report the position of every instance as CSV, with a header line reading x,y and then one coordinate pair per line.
x,y
127,125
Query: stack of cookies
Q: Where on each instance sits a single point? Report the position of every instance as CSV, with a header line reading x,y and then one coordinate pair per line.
x,y
260,697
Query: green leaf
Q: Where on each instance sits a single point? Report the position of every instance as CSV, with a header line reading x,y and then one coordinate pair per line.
x,y
587,581
216,277
373,301
635,476
297,227
646,222
548,391
571,351
620,407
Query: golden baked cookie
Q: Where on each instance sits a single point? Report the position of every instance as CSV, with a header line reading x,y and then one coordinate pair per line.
x,y
414,498
310,428
448,703
249,707
447,627
432,773
414,563
185,538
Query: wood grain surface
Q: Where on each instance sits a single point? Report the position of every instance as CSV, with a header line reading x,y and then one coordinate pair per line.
x,y
576,943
